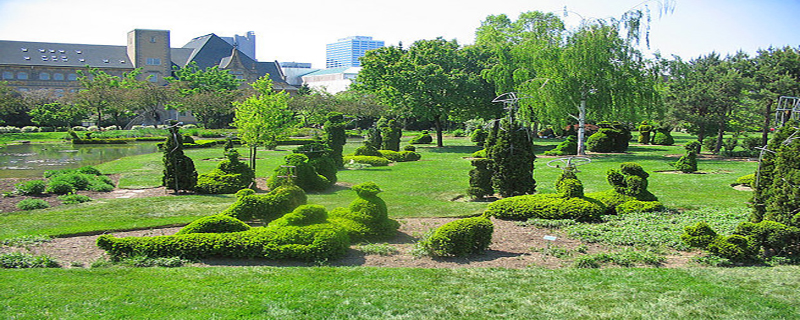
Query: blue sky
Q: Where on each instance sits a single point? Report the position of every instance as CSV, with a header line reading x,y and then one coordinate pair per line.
x,y
299,30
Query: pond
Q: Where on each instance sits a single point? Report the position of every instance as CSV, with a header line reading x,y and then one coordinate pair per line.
x,y
32,160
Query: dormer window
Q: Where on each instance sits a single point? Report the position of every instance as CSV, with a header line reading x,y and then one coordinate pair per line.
x,y
52,50
81,59
105,60
44,58
61,51
122,61
78,51
42,50
24,49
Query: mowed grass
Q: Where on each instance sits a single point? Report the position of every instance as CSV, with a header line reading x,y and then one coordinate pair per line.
x,y
387,293
433,187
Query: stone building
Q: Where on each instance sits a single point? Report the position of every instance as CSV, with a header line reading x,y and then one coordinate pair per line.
x,y
29,66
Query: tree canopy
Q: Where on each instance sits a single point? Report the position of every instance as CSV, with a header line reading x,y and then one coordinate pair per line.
x,y
207,93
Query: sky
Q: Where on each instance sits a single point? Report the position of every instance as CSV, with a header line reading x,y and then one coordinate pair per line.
x,y
298,30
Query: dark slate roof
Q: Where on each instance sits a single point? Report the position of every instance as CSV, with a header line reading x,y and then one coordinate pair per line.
x,y
208,50
274,71
63,54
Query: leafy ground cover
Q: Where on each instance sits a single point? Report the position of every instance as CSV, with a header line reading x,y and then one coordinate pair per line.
x,y
385,293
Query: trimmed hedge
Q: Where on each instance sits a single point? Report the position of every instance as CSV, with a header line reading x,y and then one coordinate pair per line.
x,y
215,224
266,207
229,176
370,160
546,206
317,242
367,151
460,237
401,156
367,217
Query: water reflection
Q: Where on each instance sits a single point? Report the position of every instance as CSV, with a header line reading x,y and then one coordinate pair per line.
x,y
31,160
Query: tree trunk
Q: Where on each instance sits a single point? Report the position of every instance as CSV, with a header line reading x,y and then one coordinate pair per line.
x,y
718,145
437,122
767,120
253,150
582,127
701,133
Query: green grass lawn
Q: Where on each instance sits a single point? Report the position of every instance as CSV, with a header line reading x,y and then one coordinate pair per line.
x,y
386,293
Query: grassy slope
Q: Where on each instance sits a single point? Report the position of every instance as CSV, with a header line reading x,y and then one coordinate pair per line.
x,y
385,293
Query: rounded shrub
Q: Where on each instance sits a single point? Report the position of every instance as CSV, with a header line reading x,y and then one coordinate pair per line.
x,y
302,216
479,154
215,224
773,237
74,198
699,235
745,180
266,207
409,148
367,151
32,204
733,247
298,171
31,187
410,156
367,217
663,138
78,181
460,237
546,206
59,187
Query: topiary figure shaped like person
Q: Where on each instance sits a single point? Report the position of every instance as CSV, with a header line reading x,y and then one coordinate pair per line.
x,y
367,217
300,172
644,132
480,179
630,184
179,171
335,136
688,162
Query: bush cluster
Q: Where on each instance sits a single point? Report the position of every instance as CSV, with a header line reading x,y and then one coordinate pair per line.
x,y
31,187
65,181
750,241
18,260
74,198
688,162
298,171
229,176
367,217
422,138
777,197
32,204
266,207
401,156
460,237
745,180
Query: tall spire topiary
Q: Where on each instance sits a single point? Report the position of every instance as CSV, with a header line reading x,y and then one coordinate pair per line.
x,y
777,186
335,136
512,154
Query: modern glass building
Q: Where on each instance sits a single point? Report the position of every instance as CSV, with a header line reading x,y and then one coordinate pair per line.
x,y
345,52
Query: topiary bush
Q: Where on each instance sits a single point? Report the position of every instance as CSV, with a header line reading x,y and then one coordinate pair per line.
x,y
367,217
402,156
566,147
461,237
31,187
745,180
218,223
32,204
777,197
229,176
322,159
733,247
699,235
688,162
409,148
370,160
316,242
298,171
512,155
663,136
644,133
390,134
373,138
179,171
546,206
422,138
335,137
479,136
367,151
479,154
480,179
629,183
772,237
612,137
266,207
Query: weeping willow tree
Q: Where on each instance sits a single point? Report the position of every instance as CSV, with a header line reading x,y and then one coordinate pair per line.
x,y
592,71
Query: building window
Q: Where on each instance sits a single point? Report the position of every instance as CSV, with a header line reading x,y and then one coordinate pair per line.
x,y
153,61
152,39
58,76
72,77
44,76
8,75
22,75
